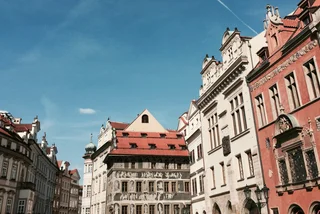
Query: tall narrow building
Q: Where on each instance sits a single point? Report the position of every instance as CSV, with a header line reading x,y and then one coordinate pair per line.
x,y
87,178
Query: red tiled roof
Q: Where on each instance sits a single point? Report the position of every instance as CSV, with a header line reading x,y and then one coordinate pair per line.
x,y
22,127
119,125
59,163
143,148
71,172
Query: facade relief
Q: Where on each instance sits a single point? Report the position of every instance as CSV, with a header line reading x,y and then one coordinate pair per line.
x,y
155,196
284,124
160,208
162,175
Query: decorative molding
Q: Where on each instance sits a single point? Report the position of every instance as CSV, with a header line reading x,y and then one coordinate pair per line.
x,y
233,87
284,65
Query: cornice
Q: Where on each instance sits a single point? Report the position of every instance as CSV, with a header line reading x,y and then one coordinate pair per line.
x,y
236,68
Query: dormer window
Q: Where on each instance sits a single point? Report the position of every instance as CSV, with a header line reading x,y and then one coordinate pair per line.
x,y
263,54
171,146
133,145
306,19
145,118
179,136
144,135
125,134
183,147
163,135
152,146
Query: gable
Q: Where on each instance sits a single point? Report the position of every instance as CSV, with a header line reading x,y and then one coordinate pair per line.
x,y
145,122
192,109
182,121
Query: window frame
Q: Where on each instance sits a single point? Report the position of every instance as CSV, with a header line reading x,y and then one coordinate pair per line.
x,y
291,100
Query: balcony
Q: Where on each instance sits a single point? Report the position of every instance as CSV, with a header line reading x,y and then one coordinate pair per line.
x,y
27,185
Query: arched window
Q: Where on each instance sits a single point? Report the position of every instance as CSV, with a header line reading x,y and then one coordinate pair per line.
x,y
145,118
295,209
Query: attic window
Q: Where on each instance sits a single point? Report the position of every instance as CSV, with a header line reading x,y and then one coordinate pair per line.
x,y
163,135
179,136
183,147
133,145
263,54
171,146
125,134
152,146
144,135
145,118
306,19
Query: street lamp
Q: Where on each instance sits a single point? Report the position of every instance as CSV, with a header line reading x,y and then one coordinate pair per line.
x,y
258,192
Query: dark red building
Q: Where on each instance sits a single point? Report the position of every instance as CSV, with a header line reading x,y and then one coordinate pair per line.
x,y
285,92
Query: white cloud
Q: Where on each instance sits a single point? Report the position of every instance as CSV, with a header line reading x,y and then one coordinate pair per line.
x,y
86,111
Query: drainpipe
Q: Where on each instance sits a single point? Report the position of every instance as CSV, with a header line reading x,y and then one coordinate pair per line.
x,y
255,127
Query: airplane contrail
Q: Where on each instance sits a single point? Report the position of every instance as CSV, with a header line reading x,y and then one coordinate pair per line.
x,y
225,6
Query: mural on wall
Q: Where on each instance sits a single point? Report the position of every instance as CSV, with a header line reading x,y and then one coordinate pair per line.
x,y
144,196
160,208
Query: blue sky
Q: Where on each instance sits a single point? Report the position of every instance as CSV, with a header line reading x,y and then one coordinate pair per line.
x,y
116,57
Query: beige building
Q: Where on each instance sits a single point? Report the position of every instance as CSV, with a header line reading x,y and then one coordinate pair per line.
x,y
230,147
190,126
148,169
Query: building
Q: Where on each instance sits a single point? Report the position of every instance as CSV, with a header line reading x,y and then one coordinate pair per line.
x,y
99,173
87,178
35,179
148,169
74,192
285,91
67,189
231,158
80,199
17,190
190,126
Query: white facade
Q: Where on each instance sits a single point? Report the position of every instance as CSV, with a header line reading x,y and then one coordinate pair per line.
x,y
190,126
87,184
231,157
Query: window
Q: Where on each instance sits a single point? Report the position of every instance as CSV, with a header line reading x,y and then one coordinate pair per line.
x,y
124,186
179,165
163,135
199,150
183,147
89,191
192,159
166,209
87,210
5,164
201,183
171,146
186,187
14,171
152,146
213,177
145,118
126,165
166,186
223,172
292,90
275,101
297,165
9,205
214,131
124,210
312,79
166,165
98,208
261,111
138,209
133,146
133,165
153,165
275,210
176,209
250,161
194,186
151,186
173,186
238,114
240,167
138,186
151,209
185,132
144,135
283,171
21,206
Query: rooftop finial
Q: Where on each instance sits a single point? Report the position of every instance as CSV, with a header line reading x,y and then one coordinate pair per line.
x,y
91,138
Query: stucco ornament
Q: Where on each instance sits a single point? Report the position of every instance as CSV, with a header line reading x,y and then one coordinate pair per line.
x,y
116,208
284,124
132,209
116,185
145,209
160,209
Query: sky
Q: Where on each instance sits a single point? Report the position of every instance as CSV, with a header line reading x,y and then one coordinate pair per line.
x,y
75,63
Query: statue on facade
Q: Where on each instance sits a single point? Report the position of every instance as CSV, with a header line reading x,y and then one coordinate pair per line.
x,y
116,208
132,209
132,186
160,208
284,124
145,209
116,185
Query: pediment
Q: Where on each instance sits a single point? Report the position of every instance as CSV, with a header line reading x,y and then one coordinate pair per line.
x,y
182,121
193,108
